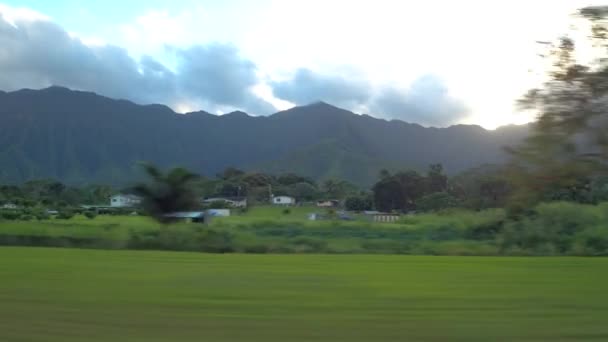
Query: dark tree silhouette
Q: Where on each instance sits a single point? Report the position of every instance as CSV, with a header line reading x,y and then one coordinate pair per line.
x,y
167,192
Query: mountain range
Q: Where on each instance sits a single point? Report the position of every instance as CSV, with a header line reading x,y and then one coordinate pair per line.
x,y
81,137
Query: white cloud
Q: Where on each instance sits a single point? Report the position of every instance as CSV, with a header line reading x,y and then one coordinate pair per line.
x,y
13,14
482,50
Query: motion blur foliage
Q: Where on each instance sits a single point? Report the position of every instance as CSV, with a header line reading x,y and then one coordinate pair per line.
x,y
559,228
167,193
568,147
90,214
65,214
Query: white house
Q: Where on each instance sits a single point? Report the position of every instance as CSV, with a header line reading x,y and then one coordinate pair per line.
x,y
235,202
124,201
9,206
283,200
328,203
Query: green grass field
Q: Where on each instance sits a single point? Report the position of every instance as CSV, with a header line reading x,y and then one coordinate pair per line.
x,y
97,295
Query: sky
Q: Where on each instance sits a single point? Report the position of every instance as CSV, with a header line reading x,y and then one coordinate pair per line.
x,y
432,62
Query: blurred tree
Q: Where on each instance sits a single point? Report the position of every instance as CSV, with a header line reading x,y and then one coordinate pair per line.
x,y
359,203
303,191
167,192
399,191
338,189
436,179
569,141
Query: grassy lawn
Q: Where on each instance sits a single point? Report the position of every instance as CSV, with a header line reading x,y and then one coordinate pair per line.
x,y
97,295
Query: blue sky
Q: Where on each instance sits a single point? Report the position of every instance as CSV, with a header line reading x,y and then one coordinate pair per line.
x,y
432,62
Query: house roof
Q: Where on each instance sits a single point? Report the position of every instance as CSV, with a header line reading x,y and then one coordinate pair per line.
x,y
186,214
234,199
127,196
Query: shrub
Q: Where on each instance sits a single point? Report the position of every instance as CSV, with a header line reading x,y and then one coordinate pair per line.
x,y
40,216
358,203
90,214
286,211
65,215
26,217
10,215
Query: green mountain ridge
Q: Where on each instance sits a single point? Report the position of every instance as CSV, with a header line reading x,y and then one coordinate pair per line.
x,y
81,137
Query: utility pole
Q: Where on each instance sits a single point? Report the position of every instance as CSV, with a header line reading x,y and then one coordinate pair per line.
x,y
270,192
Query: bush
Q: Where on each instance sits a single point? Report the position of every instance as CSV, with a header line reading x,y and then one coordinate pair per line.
x,y
358,203
65,215
286,211
41,216
26,217
90,214
10,215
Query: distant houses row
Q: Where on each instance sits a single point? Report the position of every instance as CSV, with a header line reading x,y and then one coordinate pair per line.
x,y
129,200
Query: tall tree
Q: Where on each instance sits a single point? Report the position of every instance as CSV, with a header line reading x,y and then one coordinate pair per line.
x,y
399,191
569,142
167,192
437,181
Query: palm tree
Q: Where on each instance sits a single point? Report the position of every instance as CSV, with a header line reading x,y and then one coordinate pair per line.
x,y
167,192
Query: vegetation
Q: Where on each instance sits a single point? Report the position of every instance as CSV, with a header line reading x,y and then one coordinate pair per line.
x,y
560,228
568,147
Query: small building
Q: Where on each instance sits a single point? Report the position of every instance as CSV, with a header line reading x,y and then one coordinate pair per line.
x,y
218,212
283,200
328,203
235,202
187,216
385,217
125,201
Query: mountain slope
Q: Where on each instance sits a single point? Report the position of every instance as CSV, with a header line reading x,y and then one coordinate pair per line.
x,y
83,137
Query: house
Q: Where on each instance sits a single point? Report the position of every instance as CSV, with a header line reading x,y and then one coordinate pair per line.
x,y
328,203
283,200
235,202
385,217
124,201
9,206
187,216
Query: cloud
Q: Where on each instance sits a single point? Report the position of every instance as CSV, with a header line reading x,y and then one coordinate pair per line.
x,y
307,86
217,71
426,101
37,53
